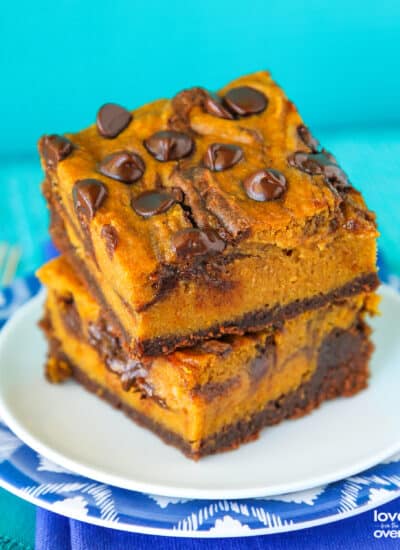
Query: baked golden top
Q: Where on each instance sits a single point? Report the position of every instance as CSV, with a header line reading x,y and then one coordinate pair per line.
x,y
201,175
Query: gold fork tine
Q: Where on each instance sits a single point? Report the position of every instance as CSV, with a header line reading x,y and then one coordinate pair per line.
x,y
11,265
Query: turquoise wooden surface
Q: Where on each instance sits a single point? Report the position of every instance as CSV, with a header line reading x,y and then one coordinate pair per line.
x,y
17,523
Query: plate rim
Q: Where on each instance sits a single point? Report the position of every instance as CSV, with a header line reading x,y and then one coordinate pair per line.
x,y
144,487
168,532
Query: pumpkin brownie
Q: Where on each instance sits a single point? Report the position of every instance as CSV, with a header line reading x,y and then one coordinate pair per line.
x,y
206,215
219,393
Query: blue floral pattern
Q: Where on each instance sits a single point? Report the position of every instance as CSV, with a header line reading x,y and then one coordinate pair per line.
x,y
37,479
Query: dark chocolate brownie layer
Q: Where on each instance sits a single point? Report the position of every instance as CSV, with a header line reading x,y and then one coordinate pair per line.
x,y
342,371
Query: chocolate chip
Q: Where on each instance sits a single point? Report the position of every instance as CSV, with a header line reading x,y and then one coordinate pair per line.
x,y
55,149
123,166
112,119
101,335
307,138
213,106
265,185
336,177
312,164
151,203
177,193
221,156
169,145
320,164
134,375
88,196
245,101
329,155
110,235
196,242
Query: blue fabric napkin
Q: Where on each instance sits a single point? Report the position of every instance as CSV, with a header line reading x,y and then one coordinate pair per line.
x,y
54,532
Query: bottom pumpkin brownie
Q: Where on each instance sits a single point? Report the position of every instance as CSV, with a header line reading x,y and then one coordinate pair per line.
x,y
218,395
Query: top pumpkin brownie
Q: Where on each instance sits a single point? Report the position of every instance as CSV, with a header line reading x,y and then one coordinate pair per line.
x,y
206,214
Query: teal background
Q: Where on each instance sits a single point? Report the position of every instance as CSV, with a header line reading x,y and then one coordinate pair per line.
x,y
61,59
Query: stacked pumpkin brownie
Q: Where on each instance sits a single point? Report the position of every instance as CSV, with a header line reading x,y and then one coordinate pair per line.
x,y
217,266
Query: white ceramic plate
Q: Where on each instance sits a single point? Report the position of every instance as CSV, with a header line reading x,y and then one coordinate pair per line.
x,y
80,432
35,478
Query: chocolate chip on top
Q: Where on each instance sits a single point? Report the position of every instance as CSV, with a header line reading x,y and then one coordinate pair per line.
x,y
55,149
311,163
88,195
196,242
245,101
177,193
307,138
320,164
112,119
150,203
123,166
265,185
221,156
213,106
169,145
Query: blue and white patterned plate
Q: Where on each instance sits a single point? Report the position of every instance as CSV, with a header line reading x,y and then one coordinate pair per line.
x,y
33,477
38,480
